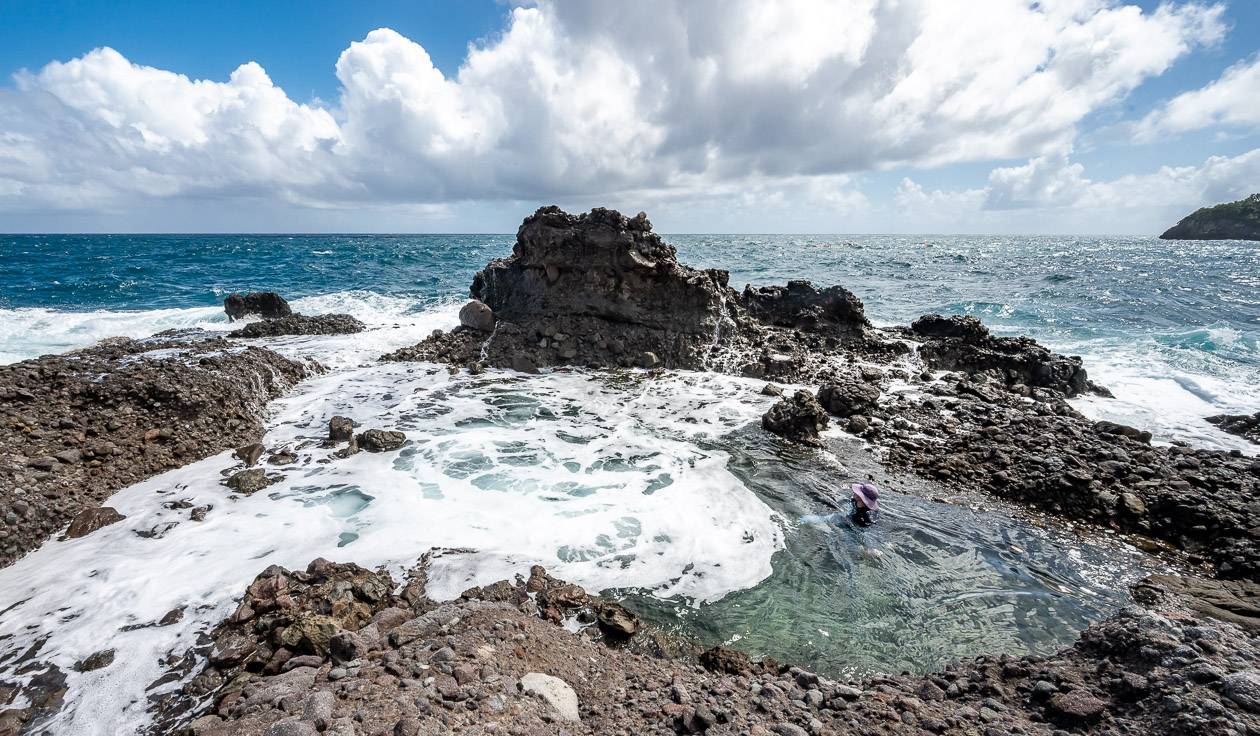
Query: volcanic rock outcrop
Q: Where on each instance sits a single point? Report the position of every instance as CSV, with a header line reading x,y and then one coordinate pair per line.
x,y
602,289
301,324
1246,426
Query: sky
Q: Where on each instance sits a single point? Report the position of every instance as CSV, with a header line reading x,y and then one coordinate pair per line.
x,y
841,116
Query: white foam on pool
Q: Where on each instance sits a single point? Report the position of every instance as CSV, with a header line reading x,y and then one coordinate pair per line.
x,y
599,478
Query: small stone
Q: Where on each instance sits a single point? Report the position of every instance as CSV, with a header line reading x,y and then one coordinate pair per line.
x,y
249,454
103,658
89,520
1077,707
250,481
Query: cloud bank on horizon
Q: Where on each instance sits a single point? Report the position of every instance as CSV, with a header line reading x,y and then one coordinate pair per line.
x,y
706,107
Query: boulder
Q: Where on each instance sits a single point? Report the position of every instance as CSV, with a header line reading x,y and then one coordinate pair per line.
x,y
475,315
800,305
89,520
265,304
798,417
848,395
555,691
380,440
250,481
1076,708
617,621
340,429
249,454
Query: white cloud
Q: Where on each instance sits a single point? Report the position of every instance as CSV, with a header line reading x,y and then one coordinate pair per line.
x,y
1055,182
606,99
1232,100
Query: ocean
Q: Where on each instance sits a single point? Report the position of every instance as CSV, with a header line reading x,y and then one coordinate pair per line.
x,y
660,489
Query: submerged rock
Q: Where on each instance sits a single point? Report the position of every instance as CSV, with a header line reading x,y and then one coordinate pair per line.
x,y
265,304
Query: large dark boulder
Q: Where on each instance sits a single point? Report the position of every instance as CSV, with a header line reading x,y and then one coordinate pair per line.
x,y
798,417
801,305
964,344
848,395
1246,426
265,304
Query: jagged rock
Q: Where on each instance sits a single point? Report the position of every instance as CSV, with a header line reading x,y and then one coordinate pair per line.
x,y
103,658
799,417
301,324
800,305
249,454
89,520
848,395
340,429
618,620
964,344
475,315
726,660
1246,426
250,481
265,304
380,440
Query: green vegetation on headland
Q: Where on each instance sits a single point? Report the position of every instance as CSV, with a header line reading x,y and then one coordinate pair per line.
x,y
1231,221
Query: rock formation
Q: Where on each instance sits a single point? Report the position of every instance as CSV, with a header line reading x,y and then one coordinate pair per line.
x,y
301,324
1231,221
1246,426
265,304
601,289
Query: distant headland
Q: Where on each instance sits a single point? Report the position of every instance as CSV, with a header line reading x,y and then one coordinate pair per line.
x,y
1231,221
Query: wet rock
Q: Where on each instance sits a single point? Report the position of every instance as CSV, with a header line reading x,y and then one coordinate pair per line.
x,y
380,440
617,620
801,305
847,396
250,481
89,520
524,364
301,324
555,691
249,454
340,429
964,344
1246,426
475,315
799,418
265,304
103,658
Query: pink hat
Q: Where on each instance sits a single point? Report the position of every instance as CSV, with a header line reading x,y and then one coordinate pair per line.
x,y
868,493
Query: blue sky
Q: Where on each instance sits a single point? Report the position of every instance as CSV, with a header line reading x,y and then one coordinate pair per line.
x,y
748,119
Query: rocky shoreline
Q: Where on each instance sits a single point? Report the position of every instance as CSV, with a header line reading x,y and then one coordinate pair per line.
x,y
340,649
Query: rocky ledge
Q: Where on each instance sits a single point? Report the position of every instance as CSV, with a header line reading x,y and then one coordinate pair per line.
x,y
339,649
76,427
1246,426
301,324
1230,221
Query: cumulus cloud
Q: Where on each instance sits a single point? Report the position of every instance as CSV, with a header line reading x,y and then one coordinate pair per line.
x,y
605,99
1233,100
1056,182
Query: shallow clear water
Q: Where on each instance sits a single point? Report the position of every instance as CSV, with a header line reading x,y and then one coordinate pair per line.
x,y
660,489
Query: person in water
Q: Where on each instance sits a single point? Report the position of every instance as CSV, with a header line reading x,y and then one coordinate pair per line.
x,y
863,512
864,505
